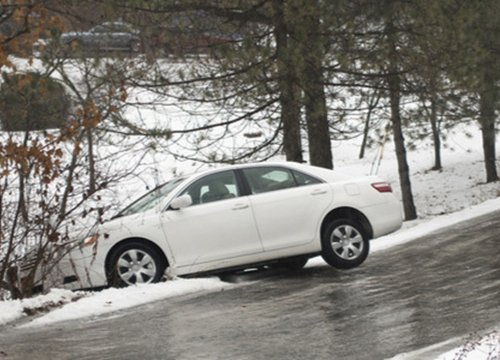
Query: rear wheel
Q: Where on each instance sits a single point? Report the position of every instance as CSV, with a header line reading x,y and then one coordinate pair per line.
x,y
135,262
345,244
135,46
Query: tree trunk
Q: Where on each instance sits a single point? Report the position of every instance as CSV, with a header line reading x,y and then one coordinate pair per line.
x,y
318,129
435,132
372,104
92,175
289,93
394,85
403,168
313,52
487,103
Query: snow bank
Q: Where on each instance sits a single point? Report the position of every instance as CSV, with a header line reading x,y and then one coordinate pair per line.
x,y
474,347
486,347
11,310
73,305
113,299
411,231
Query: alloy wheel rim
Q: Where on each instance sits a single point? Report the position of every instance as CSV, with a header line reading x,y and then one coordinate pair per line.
x,y
347,242
135,266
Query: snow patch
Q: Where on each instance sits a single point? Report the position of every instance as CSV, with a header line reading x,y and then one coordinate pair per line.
x,y
474,347
485,347
412,231
109,300
11,310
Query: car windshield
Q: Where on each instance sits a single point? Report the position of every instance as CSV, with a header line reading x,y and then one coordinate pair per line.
x,y
150,199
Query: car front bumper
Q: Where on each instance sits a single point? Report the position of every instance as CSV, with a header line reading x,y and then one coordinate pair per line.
x,y
80,269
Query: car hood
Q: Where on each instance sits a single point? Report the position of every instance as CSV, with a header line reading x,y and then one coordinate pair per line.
x,y
126,221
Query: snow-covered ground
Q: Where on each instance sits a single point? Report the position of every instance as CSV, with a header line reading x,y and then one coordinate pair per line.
x,y
442,198
475,348
484,346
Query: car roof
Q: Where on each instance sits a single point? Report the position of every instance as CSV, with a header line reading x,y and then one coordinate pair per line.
x,y
308,169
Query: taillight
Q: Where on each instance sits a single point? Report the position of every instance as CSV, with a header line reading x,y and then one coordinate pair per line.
x,y
382,187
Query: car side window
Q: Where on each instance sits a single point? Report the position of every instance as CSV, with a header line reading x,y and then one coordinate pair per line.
x,y
214,187
266,179
303,179
99,29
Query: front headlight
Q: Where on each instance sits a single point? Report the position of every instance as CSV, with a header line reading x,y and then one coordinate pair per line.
x,y
90,240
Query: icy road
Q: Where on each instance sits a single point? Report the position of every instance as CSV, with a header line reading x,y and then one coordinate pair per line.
x,y
442,286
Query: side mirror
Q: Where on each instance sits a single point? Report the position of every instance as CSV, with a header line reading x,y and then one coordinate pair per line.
x,y
181,202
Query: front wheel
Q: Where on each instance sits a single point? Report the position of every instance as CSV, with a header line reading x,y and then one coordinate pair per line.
x,y
135,262
345,244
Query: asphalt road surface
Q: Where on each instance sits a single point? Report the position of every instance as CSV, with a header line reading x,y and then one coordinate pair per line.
x,y
442,286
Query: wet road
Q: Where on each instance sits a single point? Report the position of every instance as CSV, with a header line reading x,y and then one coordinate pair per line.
x,y
441,286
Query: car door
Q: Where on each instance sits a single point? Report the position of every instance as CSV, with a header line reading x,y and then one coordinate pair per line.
x,y
218,225
288,205
118,36
104,37
96,37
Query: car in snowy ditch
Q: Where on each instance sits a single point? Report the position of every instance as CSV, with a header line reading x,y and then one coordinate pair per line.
x,y
236,217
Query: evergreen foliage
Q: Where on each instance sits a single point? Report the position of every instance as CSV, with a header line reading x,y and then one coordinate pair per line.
x,y
32,102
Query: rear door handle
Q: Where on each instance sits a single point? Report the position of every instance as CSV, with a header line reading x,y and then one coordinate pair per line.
x,y
240,206
319,192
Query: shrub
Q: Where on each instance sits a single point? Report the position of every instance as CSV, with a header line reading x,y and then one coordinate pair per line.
x,y
32,101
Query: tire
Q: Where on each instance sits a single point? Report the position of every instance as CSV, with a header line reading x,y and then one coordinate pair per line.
x,y
295,263
75,45
74,48
135,262
345,244
135,46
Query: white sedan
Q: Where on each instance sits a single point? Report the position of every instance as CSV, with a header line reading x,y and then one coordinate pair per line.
x,y
236,217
